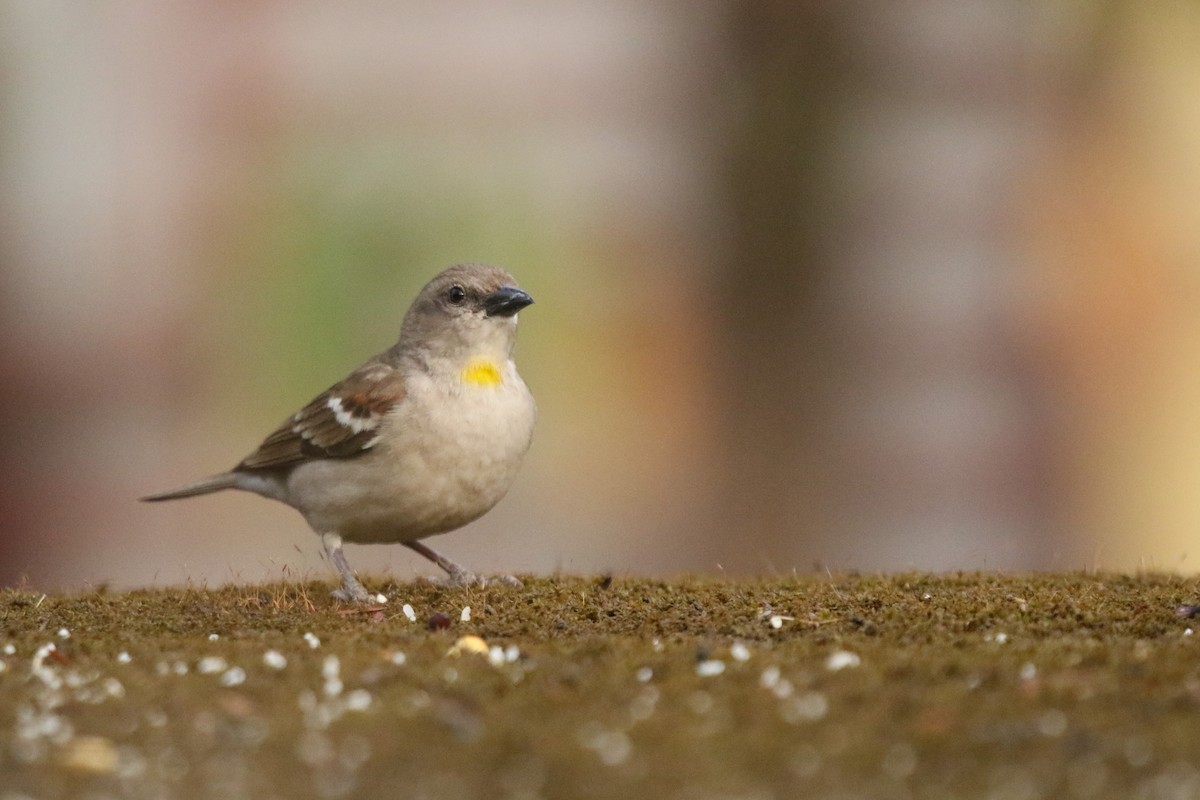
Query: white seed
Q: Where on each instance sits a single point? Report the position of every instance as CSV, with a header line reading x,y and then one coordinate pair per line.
x,y
358,700
274,659
234,676
211,664
842,659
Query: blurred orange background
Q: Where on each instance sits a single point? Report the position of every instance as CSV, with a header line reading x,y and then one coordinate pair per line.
x,y
819,285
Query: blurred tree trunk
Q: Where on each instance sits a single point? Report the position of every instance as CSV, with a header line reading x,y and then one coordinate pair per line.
x,y
775,367
878,413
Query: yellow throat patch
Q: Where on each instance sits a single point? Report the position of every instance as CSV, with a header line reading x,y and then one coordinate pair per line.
x,y
482,373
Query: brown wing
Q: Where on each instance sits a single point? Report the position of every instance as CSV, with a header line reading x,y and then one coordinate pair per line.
x,y
341,422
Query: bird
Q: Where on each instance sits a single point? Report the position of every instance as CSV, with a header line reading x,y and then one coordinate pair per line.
x,y
421,439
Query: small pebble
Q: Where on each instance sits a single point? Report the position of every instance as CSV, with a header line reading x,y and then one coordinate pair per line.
x,y
471,645
94,754
313,641
408,612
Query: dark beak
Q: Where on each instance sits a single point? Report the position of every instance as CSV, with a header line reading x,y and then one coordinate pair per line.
x,y
505,301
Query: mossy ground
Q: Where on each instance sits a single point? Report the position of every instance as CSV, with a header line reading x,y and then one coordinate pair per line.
x,y
904,686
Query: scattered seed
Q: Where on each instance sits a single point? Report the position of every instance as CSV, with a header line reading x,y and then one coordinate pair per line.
x,y
842,659
465,616
234,676
710,668
807,707
358,700
739,652
211,664
274,659
123,657
313,641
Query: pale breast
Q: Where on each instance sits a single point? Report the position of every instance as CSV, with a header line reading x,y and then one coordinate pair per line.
x,y
447,455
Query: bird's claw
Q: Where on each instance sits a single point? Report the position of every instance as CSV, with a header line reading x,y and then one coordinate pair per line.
x,y
469,580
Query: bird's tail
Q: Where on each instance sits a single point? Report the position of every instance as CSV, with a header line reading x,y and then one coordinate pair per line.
x,y
226,480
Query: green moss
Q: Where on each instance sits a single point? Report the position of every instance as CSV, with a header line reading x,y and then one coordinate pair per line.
x,y
968,686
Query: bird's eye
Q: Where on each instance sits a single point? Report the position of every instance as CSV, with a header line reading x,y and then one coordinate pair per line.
x,y
456,295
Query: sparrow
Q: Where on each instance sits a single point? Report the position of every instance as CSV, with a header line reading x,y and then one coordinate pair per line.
x,y
422,439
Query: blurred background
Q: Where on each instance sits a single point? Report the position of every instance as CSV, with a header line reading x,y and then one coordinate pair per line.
x,y
828,285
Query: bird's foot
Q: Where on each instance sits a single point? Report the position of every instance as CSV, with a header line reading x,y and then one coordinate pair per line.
x,y
462,579
357,593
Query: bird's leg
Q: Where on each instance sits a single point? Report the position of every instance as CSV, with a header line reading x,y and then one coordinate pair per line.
x,y
352,591
458,576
